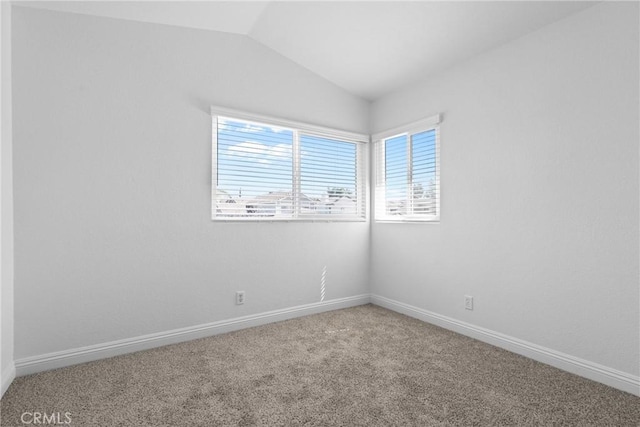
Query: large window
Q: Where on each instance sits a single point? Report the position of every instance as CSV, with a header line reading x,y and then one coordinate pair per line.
x,y
408,173
271,169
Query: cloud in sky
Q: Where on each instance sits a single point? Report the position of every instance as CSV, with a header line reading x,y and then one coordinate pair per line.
x,y
241,126
262,152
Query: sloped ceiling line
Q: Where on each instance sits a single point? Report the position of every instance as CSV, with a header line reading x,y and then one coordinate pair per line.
x,y
369,48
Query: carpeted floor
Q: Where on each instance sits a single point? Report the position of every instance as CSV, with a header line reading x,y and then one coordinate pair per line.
x,y
363,366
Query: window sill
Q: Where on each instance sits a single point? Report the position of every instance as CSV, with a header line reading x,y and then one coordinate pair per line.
x,y
408,221
274,220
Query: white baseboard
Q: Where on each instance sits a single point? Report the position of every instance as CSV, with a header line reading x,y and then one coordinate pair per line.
x,y
8,375
593,371
584,368
45,362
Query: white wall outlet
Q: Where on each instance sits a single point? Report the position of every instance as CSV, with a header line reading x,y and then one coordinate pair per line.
x,y
468,302
239,297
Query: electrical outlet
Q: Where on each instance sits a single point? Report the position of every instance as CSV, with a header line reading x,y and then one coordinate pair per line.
x,y
239,297
468,302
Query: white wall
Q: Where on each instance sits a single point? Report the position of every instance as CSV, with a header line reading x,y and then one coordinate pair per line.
x,y
539,191
7,369
112,179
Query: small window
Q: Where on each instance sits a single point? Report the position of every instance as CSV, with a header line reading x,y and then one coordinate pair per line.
x,y
408,173
271,169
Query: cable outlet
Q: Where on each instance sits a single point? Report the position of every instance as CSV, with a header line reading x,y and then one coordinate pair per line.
x,y
239,297
468,302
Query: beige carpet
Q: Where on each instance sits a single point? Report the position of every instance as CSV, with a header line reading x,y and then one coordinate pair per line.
x,y
362,366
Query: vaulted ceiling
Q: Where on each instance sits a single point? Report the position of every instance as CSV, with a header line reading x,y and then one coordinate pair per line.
x,y
368,48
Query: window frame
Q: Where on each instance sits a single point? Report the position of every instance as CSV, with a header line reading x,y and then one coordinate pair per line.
x,y
379,140
361,142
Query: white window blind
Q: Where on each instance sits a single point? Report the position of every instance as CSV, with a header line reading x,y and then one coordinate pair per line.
x,y
254,169
408,173
270,169
330,183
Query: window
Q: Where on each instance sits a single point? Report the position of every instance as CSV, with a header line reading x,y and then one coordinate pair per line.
x,y
272,169
408,173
